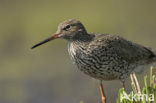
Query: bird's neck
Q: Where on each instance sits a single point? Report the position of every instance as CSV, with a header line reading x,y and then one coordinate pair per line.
x,y
74,46
82,38
79,45
81,41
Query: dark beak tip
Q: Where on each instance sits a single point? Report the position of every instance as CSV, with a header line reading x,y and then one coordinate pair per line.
x,y
32,48
35,46
45,41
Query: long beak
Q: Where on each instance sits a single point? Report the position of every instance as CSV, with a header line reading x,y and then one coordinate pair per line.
x,y
46,40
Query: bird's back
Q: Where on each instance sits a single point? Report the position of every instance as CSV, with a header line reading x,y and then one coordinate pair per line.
x,y
128,51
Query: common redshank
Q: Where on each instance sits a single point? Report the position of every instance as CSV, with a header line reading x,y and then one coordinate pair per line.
x,y
102,56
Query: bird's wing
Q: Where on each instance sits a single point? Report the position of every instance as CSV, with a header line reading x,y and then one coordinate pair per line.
x,y
127,50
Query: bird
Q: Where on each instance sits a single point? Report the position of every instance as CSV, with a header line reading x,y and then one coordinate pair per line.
x,y
104,57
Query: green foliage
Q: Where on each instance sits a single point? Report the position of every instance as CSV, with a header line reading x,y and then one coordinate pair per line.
x,y
146,95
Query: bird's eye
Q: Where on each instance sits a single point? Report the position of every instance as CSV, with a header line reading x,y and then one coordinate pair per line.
x,y
66,27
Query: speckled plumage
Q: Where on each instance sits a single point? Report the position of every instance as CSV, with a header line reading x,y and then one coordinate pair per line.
x,y
106,56
109,57
102,56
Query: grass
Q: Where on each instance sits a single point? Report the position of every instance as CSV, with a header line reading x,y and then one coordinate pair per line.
x,y
145,95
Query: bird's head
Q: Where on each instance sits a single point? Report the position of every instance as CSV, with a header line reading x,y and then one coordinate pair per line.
x,y
70,30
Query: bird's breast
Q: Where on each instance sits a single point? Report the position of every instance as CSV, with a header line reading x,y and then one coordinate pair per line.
x,y
71,50
90,62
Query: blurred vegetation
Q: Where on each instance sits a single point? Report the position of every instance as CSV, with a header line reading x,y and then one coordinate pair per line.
x,y
146,95
46,74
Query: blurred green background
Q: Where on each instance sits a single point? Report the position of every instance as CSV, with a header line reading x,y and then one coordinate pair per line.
x,y
46,74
